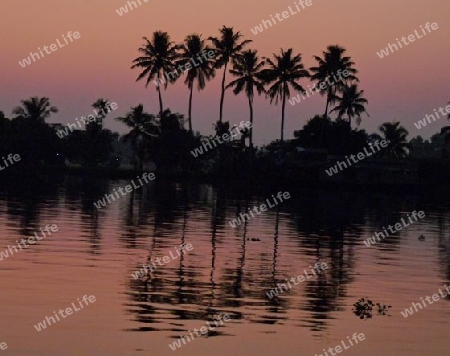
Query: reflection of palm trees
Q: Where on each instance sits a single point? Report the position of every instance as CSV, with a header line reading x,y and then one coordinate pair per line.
x,y
214,221
180,293
330,235
238,292
443,243
170,217
276,304
227,285
92,191
232,280
325,291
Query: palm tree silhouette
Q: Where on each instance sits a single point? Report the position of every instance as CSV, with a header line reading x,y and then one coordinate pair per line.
x,y
143,126
192,48
227,47
158,59
247,67
351,103
396,135
35,109
445,132
102,106
284,72
333,63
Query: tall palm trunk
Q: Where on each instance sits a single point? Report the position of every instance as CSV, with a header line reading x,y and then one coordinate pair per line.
x,y
329,96
159,95
326,107
140,156
250,104
282,113
190,106
222,96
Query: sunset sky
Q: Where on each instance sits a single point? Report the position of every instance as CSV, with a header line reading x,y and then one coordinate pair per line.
x,y
404,86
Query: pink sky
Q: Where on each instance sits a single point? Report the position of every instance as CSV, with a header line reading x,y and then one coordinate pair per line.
x,y
405,86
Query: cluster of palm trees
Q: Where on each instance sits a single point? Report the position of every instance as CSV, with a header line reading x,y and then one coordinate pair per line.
x,y
35,109
396,135
275,78
446,131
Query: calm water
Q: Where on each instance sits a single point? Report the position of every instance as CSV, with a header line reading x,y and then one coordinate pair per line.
x,y
229,271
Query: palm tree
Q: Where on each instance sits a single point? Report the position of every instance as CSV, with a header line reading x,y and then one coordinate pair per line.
x,y
247,69
285,71
333,63
193,48
445,132
169,150
226,46
396,135
102,106
143,127
351,103
35,109
158,59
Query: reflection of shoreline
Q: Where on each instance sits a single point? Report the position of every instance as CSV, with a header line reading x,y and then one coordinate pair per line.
x,y
218,277
149,269
29,241
262,207
128,189
203,330
393,229
274,292
324,223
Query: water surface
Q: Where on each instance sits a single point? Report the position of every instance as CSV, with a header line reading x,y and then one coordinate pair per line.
x,y
229,270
